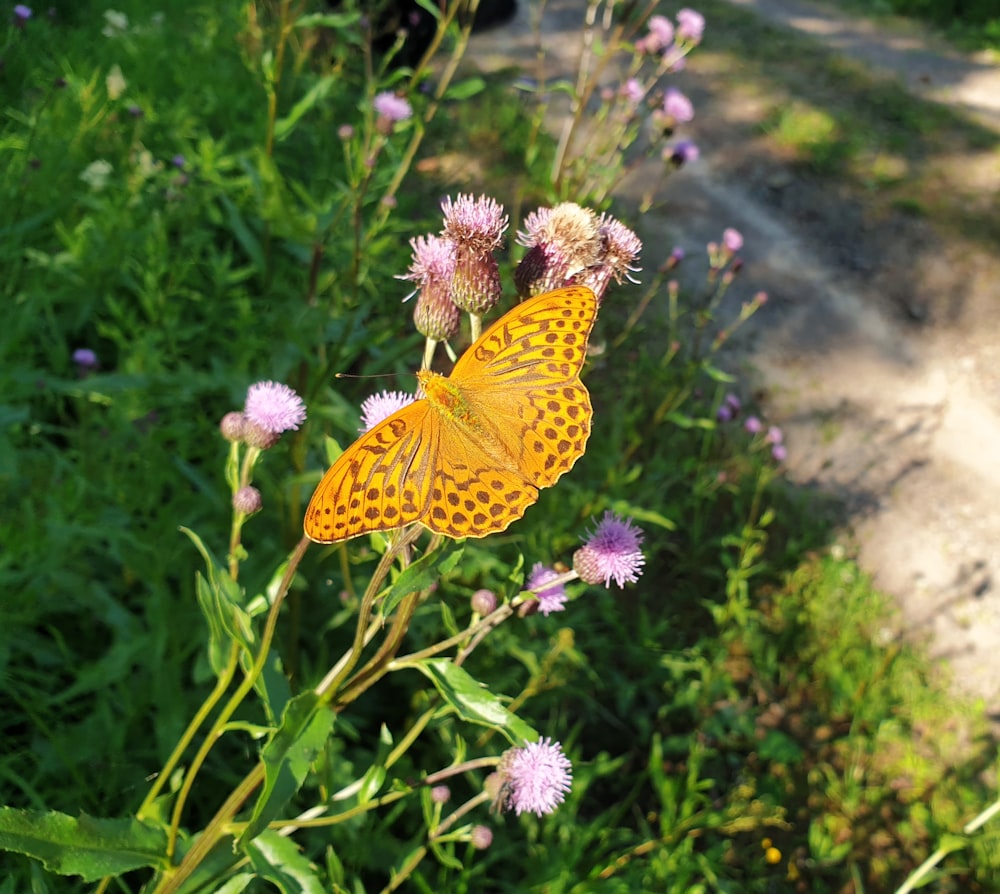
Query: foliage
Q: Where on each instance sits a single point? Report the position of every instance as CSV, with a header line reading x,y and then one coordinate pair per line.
x,y
225,206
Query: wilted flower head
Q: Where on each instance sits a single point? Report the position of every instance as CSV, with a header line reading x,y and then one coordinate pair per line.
x,y
551,599
563,242
270,409
611,552
390,109
690,26
433,268
377,407
620,248
440,794
535,778
476,227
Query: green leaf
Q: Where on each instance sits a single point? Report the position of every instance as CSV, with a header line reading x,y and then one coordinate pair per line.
x,y
465,89
278,860
319,91
219,597
474,702
287,758
338,21
421,574
372,781
88,847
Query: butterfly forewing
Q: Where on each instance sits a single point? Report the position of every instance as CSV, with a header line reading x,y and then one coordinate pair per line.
x,y
543,338
380,482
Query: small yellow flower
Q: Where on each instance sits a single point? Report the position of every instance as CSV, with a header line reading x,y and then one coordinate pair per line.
x,y
772,855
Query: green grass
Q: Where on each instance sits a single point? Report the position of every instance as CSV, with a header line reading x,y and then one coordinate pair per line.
x,y
738,720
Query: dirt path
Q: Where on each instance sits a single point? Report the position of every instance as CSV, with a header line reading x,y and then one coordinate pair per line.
x,y
878,351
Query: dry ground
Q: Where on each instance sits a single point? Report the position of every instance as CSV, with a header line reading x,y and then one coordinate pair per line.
x,y
878,351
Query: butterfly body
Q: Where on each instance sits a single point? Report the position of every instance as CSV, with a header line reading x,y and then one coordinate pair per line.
x,y
468,458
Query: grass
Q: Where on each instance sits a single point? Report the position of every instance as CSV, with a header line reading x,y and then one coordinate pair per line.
x,y
738,720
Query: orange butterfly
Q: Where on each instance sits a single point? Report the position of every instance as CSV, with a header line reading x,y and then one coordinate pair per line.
x,y
471,456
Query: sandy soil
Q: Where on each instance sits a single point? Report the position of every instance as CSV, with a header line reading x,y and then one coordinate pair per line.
x,y
878,351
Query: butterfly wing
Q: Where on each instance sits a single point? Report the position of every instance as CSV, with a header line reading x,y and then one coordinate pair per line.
x,y
521,380
473,492
381,481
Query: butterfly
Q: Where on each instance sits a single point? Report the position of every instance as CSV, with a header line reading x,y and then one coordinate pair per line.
x,y
469,457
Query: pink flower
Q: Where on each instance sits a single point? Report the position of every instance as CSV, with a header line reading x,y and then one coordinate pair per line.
x,y
732,240
661,29
476,226
21,15
436,315
381,406
484,602
753,425
611,552
677,106
632,91
392,108
85,359
274,407
682,153
774,435
535,777
552,599
690,26
620,249
779,453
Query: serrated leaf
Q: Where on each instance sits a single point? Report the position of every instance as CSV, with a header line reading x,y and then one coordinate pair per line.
x,y
279,861
85,846
305,726
474,702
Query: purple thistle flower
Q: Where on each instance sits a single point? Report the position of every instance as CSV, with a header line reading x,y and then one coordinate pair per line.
x,y
661,29
779,453
774,435
633,91
178,161
753,425
392,108
535,777
377,407
476,226
682,153
620,248
611,552
551,599
677,106
690,26
724,413
732,239
436,315
21,15
86,359
273,407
